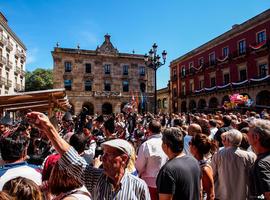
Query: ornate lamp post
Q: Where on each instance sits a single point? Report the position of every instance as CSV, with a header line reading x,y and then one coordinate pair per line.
x,y
152,60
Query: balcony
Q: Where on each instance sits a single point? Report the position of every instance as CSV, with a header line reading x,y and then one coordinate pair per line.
x,y
8,83
2,80
3,60
17,70
257,47
9,45
22,72
17,87
3,39
9,65
17,53
238,55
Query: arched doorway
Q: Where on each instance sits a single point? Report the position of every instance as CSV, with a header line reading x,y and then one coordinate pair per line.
x,y
201,104
89,108
107,108
184,106
262,98
213,102
192,106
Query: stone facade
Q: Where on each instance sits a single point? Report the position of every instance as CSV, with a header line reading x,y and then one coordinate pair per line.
x,y
163,100
234,62
103,80
12,60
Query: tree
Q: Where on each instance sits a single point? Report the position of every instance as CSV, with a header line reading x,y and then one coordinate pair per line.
x,y
39,79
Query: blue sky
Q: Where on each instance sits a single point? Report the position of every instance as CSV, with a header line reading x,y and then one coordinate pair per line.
x,y
177,26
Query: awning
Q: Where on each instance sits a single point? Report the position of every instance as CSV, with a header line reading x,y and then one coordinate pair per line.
x,y
43,101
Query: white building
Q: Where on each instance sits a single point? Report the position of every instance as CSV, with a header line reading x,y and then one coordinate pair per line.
x,y
12,60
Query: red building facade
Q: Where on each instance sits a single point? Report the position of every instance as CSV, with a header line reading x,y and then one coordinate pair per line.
x,y
234,62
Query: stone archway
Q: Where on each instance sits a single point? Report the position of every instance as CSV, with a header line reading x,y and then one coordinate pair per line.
x,y
192,106
107,108
213,102
201,104
184,106
90,108
262,98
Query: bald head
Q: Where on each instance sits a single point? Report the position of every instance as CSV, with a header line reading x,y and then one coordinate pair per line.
x,y
194,129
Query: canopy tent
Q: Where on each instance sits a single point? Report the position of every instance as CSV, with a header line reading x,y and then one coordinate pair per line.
x,y
42,101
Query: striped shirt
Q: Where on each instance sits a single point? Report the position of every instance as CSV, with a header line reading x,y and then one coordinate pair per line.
x,y
131,187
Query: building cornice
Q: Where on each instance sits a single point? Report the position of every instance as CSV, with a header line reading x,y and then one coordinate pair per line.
x,y
235,31
95,53
14,36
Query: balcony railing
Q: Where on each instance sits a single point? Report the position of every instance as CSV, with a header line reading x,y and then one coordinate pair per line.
x,y
17,53
7,82
3,60
2,80
17,70
9,45
22,72
9,65
3,39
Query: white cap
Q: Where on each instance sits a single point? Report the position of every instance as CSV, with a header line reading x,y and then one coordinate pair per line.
x,y
120,144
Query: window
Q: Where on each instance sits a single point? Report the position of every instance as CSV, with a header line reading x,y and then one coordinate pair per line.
x,y
261,37
213,81
183,89
107,86
165,104
190,66
201,84
107,69
243,74
125,86
142,71
263,70
200,61
225,51
88,85
159,103
125,69
226,78
68,67
142,87
191,86
68,84
87,68
174,92
241,47
183,71
212,59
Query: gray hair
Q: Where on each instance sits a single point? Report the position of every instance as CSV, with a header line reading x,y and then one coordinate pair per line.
x,y
233,136
261,127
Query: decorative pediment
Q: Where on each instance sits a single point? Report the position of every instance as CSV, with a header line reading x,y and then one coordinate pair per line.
x,y
107,47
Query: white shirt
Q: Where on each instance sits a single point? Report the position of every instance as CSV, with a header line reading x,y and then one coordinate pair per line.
x,y
150,159
213,132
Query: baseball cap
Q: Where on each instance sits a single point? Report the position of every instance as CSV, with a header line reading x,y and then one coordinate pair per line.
x,y
120,144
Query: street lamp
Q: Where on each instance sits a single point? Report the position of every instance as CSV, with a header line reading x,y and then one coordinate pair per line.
x,y
152,60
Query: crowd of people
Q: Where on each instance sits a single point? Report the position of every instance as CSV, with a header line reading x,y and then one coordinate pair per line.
x,y
130,156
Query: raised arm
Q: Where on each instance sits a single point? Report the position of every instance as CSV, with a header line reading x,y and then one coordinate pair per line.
x,y
42,122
